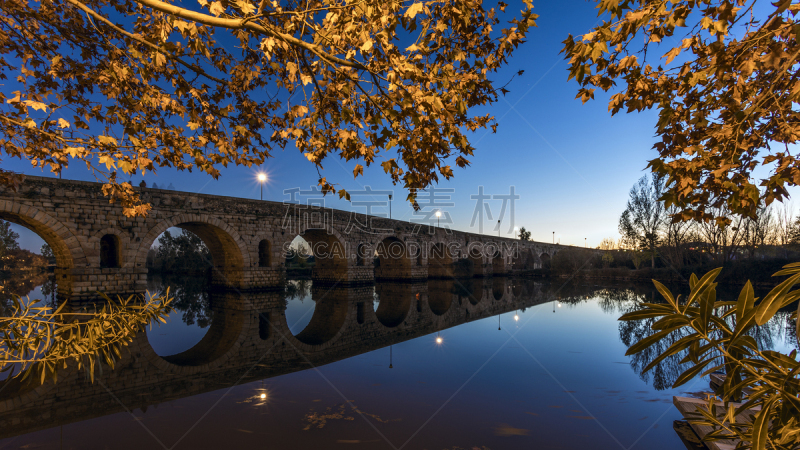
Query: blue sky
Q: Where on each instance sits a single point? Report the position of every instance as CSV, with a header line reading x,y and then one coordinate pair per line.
x,y
572,165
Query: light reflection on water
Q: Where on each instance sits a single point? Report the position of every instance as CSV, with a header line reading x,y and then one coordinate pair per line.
x,y
555,378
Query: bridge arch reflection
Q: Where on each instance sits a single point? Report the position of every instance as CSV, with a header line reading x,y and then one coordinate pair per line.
x,y
238,348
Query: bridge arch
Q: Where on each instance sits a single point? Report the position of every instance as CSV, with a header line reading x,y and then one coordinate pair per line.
x,y
475,255
440,261
66,246
545,260
393,259
330,255
523,259
229,253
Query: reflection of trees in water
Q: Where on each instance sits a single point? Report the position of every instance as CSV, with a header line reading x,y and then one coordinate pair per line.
x,y
670,368
623,298
298,289
611,298
21,284
190,296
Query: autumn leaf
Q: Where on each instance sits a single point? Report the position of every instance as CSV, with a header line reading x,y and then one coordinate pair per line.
x,y
35,105
107,140
107,160
216,8
413,10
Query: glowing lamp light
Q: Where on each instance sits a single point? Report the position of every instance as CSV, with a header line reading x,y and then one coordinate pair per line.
x,y
559,304
438,214
516,317
262,177
438,340
263,396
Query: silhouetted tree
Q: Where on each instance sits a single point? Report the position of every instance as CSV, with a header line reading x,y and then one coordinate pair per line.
x,y
640,222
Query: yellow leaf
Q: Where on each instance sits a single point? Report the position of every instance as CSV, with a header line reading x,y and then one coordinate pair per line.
x,y
358,170
367,45
413,10
36,105
193,125
14,99
107,160
107,140
216,8
76,151
63,123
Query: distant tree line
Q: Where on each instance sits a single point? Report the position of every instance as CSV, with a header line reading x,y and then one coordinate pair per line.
x,y
749,247
646,226
183,252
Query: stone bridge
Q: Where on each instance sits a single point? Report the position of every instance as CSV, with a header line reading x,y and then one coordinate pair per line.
x,y
249,339
97,248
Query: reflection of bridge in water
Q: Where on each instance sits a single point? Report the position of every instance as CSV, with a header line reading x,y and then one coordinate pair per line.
x,y
249,339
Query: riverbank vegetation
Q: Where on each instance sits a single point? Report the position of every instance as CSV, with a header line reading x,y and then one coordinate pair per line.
x,y
654,246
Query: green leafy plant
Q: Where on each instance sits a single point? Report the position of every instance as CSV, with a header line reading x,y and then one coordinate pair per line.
x,y
765,382
35,340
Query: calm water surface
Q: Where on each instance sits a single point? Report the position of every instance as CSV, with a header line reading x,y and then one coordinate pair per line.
x,y
543,368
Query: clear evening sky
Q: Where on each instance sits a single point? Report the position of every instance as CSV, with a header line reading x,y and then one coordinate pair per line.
x,y
572,165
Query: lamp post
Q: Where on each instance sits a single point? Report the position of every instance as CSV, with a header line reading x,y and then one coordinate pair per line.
x,y
390,206
554,237
438,216
262,177
585,245
498,227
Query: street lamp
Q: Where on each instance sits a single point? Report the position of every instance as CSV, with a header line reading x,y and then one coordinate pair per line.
x,y
390,206
438,338
498,227
554,237
438,216
585,245
262,177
